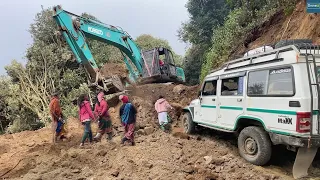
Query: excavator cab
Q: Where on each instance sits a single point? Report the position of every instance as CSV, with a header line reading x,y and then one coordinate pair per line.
x,y
159,67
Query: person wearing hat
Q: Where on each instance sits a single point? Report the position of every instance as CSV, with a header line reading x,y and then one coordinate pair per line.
x,y
128,119
56,116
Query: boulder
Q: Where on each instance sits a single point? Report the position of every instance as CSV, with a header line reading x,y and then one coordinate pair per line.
x,y
141,132
148,130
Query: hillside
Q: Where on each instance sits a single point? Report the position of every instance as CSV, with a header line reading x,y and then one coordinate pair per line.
x,y
298,25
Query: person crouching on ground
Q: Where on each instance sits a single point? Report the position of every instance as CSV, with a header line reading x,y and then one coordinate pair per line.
x,y
104,122
128,119
56,116
162,106
85,116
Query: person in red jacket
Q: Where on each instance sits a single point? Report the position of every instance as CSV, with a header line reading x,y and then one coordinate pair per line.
x,y
104,122
56,116
85,116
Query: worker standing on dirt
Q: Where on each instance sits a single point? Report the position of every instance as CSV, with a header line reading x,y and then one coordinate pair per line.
x,y
162,106
128,119
56,116
85,116
104,122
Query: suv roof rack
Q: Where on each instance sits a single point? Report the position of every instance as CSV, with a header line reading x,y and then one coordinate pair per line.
x,y
301,47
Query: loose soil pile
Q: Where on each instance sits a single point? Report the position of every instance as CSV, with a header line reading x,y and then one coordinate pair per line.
x,y
111,69
157,155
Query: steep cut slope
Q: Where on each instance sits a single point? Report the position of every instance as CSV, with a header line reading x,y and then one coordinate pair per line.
x,y
298,25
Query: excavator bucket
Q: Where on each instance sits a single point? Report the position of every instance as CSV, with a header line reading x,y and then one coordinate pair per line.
x,y
303,161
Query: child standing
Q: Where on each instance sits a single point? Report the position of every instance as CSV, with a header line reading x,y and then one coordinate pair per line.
x,y
104,122
85,116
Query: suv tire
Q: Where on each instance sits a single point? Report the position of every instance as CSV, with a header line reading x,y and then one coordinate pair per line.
x,y
188,124
287,42
254,145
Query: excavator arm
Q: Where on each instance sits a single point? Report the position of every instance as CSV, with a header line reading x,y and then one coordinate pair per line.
x,y
75,29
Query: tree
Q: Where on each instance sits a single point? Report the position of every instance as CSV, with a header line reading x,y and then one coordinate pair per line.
x,y
50,66
193,63
205,15
102,52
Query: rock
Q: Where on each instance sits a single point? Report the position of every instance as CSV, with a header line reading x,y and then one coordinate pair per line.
x,y
179,89
211,176
76,171
208,160
31,144
147,164
148,130
115,173
217,161
73,154
190,177
102,152
141,132
188,169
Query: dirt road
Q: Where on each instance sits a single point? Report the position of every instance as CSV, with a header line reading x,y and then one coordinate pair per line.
x,y
157,155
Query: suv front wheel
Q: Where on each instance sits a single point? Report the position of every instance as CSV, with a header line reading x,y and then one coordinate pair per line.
x,y
254,145
188,124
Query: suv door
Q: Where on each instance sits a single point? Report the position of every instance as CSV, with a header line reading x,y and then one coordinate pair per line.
x,y
208,101
231,99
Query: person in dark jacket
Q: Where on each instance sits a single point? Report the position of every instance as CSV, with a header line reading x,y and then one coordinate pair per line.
x,y
128,119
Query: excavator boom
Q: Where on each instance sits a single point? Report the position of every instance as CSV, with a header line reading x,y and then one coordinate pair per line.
x,y
76,29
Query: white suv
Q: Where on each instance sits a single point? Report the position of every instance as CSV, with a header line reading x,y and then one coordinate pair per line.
x,y
268,98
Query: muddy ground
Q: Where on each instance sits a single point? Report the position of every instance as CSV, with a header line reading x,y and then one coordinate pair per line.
x,y
157,155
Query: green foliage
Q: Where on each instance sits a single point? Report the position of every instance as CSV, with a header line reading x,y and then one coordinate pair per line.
x,y
217,27
102,52
192,64
147,42
50,66
205,15
225,38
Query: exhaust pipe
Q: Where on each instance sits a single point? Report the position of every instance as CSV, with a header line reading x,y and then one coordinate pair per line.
x,y
303,161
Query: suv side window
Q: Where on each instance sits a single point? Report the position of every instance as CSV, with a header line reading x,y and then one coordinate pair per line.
x,y
232,86
210,88
271,82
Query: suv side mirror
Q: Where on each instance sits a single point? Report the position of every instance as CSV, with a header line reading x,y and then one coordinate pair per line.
x,y
199,93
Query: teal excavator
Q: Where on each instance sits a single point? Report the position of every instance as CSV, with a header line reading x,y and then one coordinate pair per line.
x,y
151,66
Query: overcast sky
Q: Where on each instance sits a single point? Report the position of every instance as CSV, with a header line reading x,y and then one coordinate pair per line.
x,y
160,18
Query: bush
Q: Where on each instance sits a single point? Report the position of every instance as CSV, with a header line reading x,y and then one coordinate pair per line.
x,y
226,38
18,125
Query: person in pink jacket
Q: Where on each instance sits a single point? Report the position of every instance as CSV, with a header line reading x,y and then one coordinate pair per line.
x,y
162,106
85,116
101,112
